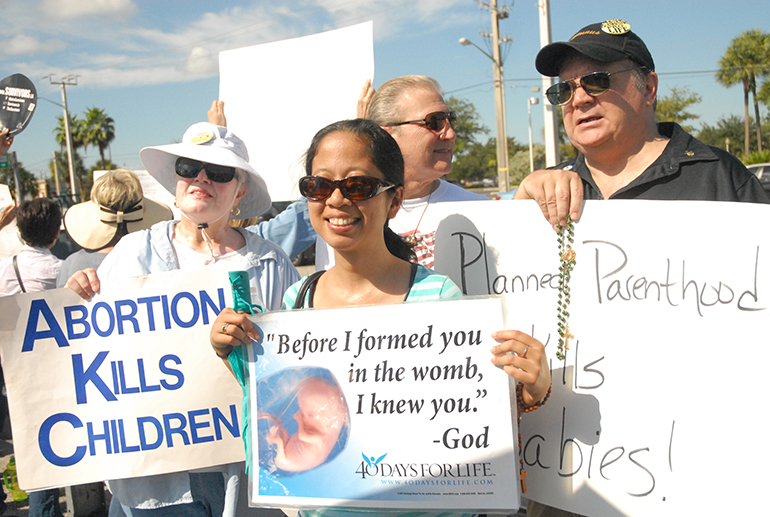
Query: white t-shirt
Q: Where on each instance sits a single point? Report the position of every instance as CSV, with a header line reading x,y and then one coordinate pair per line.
x,y
414,218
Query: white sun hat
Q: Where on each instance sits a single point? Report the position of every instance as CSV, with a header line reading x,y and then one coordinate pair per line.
x,y
209,143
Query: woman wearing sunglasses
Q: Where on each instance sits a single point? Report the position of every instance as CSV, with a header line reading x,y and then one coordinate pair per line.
x,y
211,179
354,185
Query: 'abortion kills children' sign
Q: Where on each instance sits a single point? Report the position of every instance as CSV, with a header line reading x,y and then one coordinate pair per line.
x,y
120,386
391,407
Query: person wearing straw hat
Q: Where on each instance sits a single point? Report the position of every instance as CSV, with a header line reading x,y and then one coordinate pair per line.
x,y
117,208
210,176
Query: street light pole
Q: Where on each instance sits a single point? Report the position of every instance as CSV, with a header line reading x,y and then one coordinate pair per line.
x,y
550,117
497,69
530,102
71,81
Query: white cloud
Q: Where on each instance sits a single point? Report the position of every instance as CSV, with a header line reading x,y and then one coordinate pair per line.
x,y
201,62
24,44
72,9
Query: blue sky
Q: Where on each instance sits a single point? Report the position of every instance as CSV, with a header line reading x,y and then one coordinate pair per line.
x,y
152,64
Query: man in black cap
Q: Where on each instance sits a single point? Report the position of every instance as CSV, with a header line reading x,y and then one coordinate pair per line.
x,y
608,96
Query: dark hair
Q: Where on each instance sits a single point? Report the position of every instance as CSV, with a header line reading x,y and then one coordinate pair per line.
x,y
385,155
38,221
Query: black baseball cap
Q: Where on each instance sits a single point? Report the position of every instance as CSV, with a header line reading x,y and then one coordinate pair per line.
x,y
605,42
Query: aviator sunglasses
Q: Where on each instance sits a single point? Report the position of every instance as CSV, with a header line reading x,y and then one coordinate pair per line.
x,y
435,121
354,188
189,168
594,84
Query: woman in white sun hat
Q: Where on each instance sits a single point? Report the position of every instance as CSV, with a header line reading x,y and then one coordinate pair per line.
x,y
210,176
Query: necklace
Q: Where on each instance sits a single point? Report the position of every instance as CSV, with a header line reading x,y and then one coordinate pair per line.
x,y
565,238
411,239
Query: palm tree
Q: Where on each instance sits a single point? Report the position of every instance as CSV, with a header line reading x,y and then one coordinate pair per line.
x,y
745,61
99,130
76,130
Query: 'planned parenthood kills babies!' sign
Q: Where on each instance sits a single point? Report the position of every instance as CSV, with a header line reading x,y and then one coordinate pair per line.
x,y
395,406
120,386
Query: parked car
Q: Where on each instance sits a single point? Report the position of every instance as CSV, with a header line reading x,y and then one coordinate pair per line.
x,y
508,195
761,171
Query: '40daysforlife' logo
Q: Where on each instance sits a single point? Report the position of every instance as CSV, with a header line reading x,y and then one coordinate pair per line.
x,y
372,467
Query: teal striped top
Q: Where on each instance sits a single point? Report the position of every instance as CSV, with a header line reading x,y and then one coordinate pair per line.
x,y
427,286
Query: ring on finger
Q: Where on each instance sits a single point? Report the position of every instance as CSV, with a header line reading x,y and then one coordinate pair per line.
x,y
526,349
224,329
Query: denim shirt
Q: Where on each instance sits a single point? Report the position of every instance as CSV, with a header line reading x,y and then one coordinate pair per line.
x,y
291,229
151,251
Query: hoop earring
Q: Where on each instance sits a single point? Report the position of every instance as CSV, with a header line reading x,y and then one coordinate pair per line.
x,y
235,211
175,203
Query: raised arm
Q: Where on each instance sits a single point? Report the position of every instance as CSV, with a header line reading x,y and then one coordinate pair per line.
x,y
7,214
523,358
216,114
362,108
558,192
85,283
5,141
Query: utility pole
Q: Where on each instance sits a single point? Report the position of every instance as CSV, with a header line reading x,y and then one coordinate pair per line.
x,y
550,118
502,134
497,69
70,80
15,168
56,174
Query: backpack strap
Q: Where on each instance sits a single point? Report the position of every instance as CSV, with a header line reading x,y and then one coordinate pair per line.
x,y
18,275
305,287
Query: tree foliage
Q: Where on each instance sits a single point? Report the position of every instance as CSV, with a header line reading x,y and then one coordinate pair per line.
x,y
95,129
98,130
673,107
469,126
480,160
732,128
26,179
519,163
83,177
746,61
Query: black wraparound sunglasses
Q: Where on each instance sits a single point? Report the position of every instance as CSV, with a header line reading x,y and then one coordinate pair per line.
x,y
189,168
435,121
354,188
594,84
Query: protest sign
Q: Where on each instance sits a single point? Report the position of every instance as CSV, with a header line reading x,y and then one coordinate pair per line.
x,y
18,99
372,407
278,95
655,404
119,386
10,243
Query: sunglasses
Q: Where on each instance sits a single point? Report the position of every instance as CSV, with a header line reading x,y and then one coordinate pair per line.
x,y
594,84
189,168
354,188
435,121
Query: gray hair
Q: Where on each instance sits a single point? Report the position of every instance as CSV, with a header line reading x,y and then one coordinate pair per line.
x,y
385,107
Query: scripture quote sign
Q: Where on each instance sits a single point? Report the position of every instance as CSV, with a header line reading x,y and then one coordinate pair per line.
x,y
396,406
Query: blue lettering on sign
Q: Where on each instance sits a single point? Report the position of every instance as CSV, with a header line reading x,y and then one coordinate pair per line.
x,y
44,440
122,315
112,436
83,376
36,308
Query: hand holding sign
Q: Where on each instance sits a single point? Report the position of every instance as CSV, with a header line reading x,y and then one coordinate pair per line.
x,y
19,99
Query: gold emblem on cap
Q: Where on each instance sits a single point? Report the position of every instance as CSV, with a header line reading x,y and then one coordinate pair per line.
x,y
616,27
202,138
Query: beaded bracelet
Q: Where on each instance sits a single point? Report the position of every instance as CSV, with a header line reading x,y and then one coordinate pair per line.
x,y
521,406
